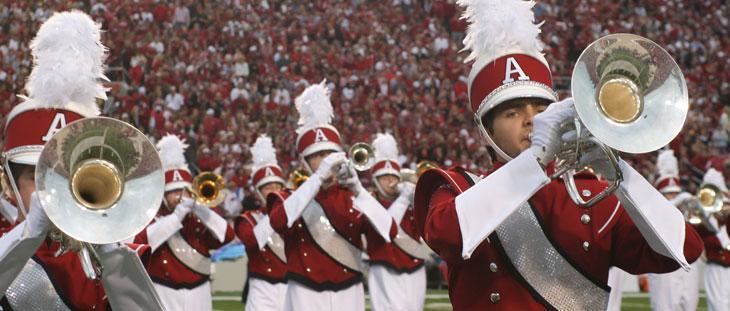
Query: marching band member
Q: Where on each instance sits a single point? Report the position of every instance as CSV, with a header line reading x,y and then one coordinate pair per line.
x,y
514,239
265,248
323,220
181,236
717,250
678,290
34,273
397,278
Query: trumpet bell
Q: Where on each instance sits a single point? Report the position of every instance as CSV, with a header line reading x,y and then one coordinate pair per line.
x,y
208,189
362,156
100,180
630,93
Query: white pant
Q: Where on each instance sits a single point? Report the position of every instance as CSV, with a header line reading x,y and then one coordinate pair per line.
x,y
678,290
390,291
264,296
198,298
717,286
302,298
615,280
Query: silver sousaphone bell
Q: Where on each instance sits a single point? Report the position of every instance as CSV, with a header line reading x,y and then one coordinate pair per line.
x,y
630,96
100,181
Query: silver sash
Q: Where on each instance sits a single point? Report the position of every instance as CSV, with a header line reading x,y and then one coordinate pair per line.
x,y
328,239
543,267
409,245
275,242
33,290
188,255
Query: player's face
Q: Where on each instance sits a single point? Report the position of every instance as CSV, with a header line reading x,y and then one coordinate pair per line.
x,y
315,159
173,197
269,188
389,184
512,124
25,181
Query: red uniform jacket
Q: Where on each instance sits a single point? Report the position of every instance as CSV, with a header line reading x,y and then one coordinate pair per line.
x,y
164,268
262,263
69,280
308,263
389,254
606,237
714,250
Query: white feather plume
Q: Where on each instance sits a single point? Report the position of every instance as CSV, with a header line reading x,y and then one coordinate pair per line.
x,y
172,152
314,106
263,152
714,177
666,163
68,64
500,27
385,147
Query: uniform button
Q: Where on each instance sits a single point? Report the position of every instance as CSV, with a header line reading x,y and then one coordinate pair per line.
x,y
586,245
302,239
494,297
309,270
352,211
167,274
586,193
585,219
351,225
267,260
198,220
411,218
493,267
344,270
299,225
305,254
197,229
268,270
164,262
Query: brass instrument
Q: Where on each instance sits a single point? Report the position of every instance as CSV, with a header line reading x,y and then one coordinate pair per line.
x,y
100,181
361,156
708,201
208,189
630,96
297,178
411,176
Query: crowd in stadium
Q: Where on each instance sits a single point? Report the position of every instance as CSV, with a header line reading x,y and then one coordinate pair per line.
x,y
220,73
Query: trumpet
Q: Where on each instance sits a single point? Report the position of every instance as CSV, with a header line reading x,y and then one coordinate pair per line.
x,y
630,96
297,178
707,202
362,156
208,189
411,176
100,181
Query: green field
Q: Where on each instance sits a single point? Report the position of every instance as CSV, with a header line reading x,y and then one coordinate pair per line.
x,y
438,300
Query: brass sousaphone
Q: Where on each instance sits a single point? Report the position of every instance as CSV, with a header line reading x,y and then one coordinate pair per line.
x,y
100,181
630,96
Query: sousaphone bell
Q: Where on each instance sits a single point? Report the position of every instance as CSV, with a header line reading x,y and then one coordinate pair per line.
x,y
630,96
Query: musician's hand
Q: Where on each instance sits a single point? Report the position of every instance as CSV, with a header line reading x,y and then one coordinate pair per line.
x,y
330,165
37,220
182,209
546,132
348,178
407,190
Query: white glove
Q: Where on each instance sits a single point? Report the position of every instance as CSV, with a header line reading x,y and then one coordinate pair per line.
x,y
348,178
682,197
37,222
546,131
183,208
398,209
214,222
330,165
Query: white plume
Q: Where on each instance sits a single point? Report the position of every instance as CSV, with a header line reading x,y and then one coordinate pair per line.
x,y
172,152
714,177
500,27
314,106
385,147
263,152
666,163
68,62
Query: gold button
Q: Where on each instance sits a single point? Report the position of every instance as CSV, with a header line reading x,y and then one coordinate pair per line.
x,y
585,219
494,297
586,245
